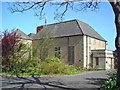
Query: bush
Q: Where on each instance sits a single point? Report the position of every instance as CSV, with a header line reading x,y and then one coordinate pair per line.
x,y
55,66
9,41
35,66
111,84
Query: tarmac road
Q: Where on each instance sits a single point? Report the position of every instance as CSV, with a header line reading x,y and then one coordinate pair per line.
x,y
87,80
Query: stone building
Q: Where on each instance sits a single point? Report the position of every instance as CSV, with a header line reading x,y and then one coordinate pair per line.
x,y
77,44
23,37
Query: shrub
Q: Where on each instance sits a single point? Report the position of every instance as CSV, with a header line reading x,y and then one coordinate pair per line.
x,y
33,66
111,84
9,41
55,66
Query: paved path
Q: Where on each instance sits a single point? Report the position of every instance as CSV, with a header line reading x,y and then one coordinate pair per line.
x,y
91,79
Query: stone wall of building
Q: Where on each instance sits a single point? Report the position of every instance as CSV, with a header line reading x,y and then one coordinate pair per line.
x,y
89,44
64,43
105,59
97,44
83,47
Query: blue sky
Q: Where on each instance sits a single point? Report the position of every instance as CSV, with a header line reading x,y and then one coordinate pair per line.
x,y
102,20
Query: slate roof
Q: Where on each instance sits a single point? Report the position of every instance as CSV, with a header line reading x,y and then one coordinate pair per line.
x,y
31,35
22,35
68,28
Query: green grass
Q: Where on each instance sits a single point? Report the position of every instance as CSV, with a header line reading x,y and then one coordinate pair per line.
x,y
70,70
20,74
29,74
94,69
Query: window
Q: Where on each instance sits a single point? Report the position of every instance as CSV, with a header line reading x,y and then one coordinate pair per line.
x,y
43,53
97,61
57,52
71,55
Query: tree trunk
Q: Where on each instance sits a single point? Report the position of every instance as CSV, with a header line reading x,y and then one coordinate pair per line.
x,y
116,9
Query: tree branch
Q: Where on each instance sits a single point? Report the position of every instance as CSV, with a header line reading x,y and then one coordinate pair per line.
x,y
63,6
42,8
21,7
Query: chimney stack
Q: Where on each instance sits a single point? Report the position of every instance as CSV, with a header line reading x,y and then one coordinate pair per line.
x,y
39,28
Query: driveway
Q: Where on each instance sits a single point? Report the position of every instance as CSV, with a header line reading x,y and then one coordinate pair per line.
x,y
86,80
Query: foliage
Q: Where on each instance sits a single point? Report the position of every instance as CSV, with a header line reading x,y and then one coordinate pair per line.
x,y
8,42
42,46
21,61
24,60
50,66
94,69
34,66
20,58
55,66
90,65
111,84
16,54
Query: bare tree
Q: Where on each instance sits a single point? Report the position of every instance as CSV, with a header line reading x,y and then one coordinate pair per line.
x,y
39,7
73,5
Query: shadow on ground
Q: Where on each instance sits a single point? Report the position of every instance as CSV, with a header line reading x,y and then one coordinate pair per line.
x,y
97,81
35,80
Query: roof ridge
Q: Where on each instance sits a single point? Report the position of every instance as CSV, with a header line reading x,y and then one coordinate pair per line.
x,y
79,26
74,27
60,22
19,31
81,22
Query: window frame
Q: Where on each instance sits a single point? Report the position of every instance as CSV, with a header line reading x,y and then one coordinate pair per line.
x,y
43,53
71,54
57,52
